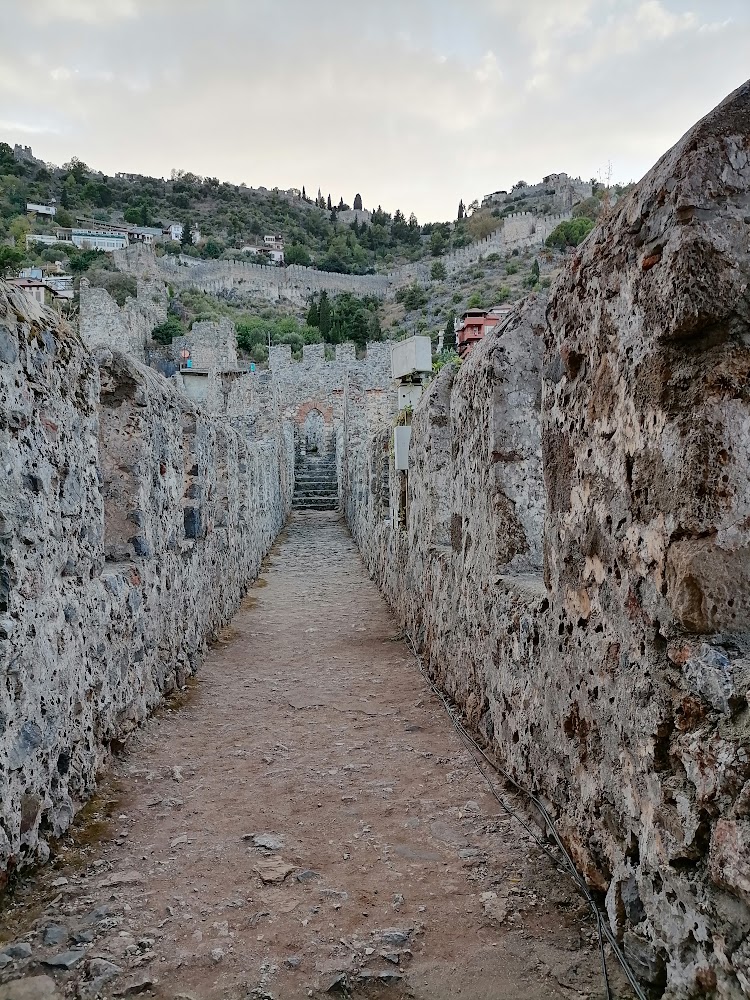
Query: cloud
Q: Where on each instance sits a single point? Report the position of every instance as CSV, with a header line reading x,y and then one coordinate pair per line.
x,y
87,11
415,103
27,128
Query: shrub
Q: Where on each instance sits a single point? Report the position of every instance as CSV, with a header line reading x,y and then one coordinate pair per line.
x,y
511,268
165,332
119,285
412,296
437,271
297,254
570,233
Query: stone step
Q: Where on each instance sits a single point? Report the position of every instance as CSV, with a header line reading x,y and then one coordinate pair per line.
x,y
328,505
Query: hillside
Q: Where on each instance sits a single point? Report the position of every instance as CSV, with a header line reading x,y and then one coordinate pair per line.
x,y
228,216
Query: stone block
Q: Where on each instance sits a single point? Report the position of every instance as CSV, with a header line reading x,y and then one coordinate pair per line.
x,y
709,586
729,857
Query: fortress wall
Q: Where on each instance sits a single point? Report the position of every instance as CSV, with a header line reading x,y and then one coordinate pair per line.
x,y
130,528
296,283
574,556
103,323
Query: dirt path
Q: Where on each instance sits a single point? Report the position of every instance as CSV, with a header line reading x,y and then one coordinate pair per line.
x,y
312,731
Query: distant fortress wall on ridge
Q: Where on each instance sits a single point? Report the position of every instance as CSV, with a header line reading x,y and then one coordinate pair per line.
x,y
296,283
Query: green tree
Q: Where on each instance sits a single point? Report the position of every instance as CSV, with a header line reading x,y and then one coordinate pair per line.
x,y
83,259
186,239
357,203
437,271
213,249
297,254
461,210
449,337
18,229
10,260
437,243
570,233
165,332
313,313
535,272
325,316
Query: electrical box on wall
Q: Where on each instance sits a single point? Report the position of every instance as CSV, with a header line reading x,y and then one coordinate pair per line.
x,y
401,439
411,357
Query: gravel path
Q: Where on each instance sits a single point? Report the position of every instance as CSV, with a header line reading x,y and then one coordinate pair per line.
x,y
305,824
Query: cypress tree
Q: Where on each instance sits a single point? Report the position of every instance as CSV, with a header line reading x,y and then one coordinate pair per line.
x,y
313,313
186,240
449,340
329,203
324,315
357,202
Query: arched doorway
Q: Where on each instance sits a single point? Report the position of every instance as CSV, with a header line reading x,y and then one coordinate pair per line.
x,y
314,434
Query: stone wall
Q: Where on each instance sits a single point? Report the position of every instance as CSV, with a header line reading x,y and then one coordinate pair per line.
x,y
296,283
212,344
103,323
132,522
571,551
299,387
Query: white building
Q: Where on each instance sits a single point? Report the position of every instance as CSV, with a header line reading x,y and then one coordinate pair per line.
x,y
174,232
93,239
36,209
46,239
276,256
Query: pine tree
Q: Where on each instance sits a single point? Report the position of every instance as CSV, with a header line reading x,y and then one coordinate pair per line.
x,y
357,202
324,315
313,313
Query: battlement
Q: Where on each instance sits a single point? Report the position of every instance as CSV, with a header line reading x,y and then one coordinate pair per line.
x,y
377,357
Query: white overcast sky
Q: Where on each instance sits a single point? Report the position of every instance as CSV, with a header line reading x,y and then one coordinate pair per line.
x,y
414,103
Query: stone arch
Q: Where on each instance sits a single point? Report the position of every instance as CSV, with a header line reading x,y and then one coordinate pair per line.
x,y
314,430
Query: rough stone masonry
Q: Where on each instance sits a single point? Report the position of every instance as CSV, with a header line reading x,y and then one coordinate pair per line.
x,y
573,554
570,548
131,522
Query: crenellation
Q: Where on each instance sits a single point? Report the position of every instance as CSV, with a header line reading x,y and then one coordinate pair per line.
x,y
296,283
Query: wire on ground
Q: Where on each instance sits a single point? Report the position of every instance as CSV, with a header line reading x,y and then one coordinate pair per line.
x,y
564,864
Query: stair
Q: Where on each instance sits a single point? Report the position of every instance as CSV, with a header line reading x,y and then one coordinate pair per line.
x,y
315,483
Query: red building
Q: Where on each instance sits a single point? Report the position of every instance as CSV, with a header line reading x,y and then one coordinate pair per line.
x,y
475,323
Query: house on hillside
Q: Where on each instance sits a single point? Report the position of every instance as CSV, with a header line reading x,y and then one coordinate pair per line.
x,y
41,291
475,324
49,239
95,239
34,208
174,232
